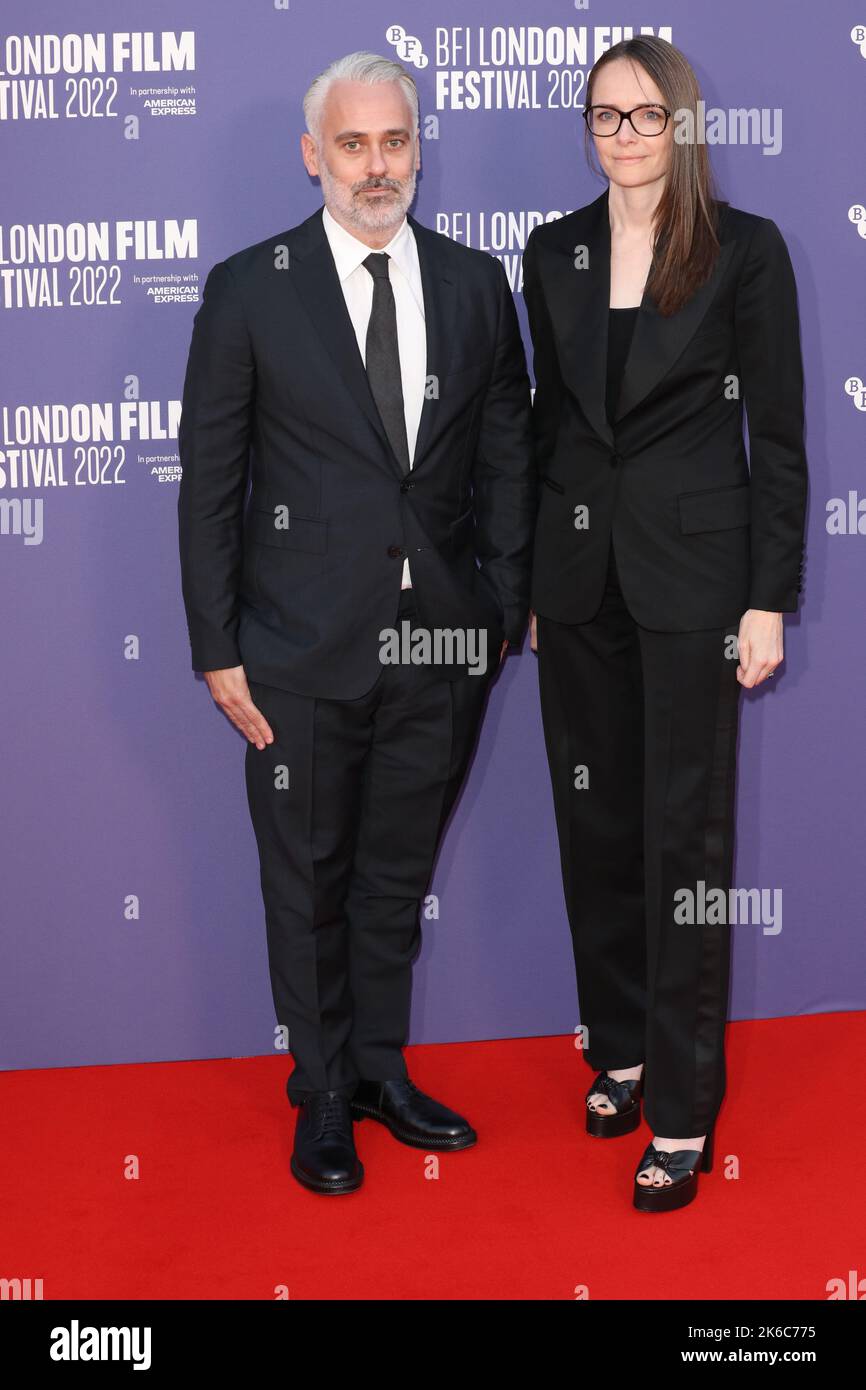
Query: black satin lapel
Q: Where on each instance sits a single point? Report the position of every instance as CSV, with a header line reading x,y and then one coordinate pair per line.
x,y
657,342
577,281
440,312
317,285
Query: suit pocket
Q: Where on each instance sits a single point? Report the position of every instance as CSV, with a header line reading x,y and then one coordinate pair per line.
x,y
714,329
305,533
719,509
549,482
478,366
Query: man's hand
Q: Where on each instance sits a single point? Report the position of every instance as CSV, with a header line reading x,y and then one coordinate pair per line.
x,y
533,633
503,650
760,646
231,692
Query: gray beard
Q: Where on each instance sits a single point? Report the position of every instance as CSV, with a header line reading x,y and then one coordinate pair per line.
x,y
345,206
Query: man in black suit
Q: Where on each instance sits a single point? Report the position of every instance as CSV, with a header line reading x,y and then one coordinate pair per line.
x,y
371,375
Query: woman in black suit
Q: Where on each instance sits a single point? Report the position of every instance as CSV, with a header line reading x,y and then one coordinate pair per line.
x,y
664,560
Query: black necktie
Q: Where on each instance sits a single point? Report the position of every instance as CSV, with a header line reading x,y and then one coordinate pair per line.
x,y
383,357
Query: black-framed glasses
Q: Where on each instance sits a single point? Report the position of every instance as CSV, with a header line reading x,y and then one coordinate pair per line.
x,y
649,119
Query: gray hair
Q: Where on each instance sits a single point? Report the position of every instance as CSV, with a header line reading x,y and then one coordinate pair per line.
x,y
357,67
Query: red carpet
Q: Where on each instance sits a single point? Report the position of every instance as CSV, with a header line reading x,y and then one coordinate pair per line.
x,y
535,1211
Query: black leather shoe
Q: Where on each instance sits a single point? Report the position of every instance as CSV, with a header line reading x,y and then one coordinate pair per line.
x,y
624,1096
682,1167
324,1158
412,1117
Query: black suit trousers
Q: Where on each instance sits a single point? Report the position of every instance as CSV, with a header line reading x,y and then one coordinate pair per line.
x,y
641,728
348,805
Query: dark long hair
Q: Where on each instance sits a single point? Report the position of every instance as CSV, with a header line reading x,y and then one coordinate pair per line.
x,y
686,221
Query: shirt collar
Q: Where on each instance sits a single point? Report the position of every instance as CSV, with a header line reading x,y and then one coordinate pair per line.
x,y
349,252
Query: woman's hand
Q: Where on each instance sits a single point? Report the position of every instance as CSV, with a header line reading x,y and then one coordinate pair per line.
x,y
760,646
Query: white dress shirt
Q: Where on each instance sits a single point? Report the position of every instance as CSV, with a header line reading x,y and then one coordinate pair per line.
x,y
356,283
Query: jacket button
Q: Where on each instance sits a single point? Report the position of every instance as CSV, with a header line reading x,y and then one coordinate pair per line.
x,y
396,552
406,484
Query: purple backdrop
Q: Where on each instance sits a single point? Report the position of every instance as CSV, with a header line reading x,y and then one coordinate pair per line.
x,y
132,921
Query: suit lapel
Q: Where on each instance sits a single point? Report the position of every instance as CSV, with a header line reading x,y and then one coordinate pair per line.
x,y
657,342
578,301
318,287
440,312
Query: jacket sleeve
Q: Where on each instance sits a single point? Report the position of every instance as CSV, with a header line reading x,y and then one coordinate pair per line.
x,y
546,407
213,442
504,483
771,382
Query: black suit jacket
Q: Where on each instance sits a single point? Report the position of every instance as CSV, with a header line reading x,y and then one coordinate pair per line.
x,y
701,532
276,391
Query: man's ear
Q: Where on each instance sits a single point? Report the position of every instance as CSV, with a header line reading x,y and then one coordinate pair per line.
x,y
308,154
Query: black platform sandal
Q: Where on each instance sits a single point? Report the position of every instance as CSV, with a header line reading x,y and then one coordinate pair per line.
x,y
625,1096
682,1167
